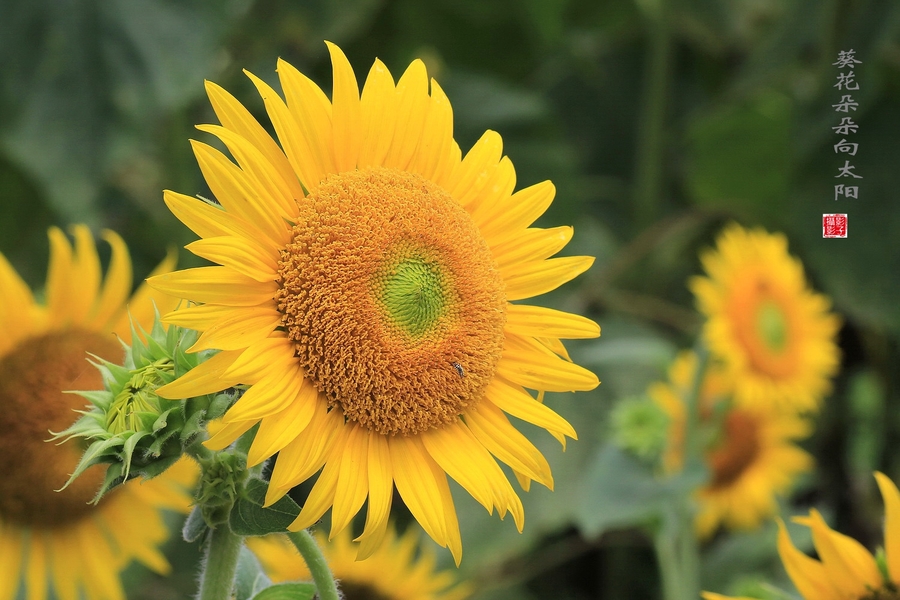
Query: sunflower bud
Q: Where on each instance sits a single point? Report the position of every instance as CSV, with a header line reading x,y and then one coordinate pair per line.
x,y
128,425
640,427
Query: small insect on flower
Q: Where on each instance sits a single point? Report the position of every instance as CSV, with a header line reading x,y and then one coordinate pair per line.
x,y
459,369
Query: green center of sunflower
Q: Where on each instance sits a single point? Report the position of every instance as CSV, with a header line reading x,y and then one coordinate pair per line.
x,y
772,326
33,378
392,300
414,294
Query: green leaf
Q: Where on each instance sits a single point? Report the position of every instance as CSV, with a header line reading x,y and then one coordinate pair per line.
x,y
621,491
740,157
194,526
287,591
248,517
250,578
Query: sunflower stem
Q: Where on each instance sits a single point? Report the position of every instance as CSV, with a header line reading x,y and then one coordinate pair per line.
x,y
315,561
651,124
220,566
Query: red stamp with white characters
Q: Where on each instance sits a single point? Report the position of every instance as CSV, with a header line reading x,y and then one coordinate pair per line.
x,y
834,226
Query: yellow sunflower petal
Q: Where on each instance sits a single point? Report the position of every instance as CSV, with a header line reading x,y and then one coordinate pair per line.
x,y
236,191
238,330
433,158
472,172
504,441
538,321
278,430
312,112
60,294
494,196
306,454
516,401
378,107
16,306
353,480
254,164
117,284
523,209
206,378
235,117
217,285
346,117
237,256
539,277
891,524
12,549
297,147
531,245
63,570
86,271
412,110
227,433
145,302
850,566
525,364
271,394
320,498
418,486
809,576
381,488
270,355
36,568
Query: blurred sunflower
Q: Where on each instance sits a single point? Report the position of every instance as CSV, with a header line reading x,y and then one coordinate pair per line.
x,y
751,460
365,287
393,572
845,569
776,337
59,540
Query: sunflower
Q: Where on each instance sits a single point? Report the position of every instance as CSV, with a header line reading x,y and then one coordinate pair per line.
x,y
776,337
393,572
752,459
364,290
845,569
59,540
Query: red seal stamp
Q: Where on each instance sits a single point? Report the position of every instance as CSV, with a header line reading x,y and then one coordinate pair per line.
x,y
834,226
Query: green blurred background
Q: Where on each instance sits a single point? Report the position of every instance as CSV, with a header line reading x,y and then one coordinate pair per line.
x,y
658,121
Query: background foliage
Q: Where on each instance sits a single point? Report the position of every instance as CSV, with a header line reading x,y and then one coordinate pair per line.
x,y
658,121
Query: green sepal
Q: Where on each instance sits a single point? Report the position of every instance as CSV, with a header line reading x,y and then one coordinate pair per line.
x,y
250,579
155,468
249,517
194,526
220,404
111,479
287,591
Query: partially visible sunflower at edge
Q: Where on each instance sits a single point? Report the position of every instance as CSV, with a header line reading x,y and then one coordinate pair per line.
x,y
365,288
751,460
57,540
845,570
393,572
776,336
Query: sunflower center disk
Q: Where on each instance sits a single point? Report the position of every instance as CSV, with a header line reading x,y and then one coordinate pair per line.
x,y
33,377
772,326
392,300
738,451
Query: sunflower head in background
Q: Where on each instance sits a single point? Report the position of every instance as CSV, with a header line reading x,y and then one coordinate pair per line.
x,y
395,571
57,540
364,289
751,459
776,336
845,570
